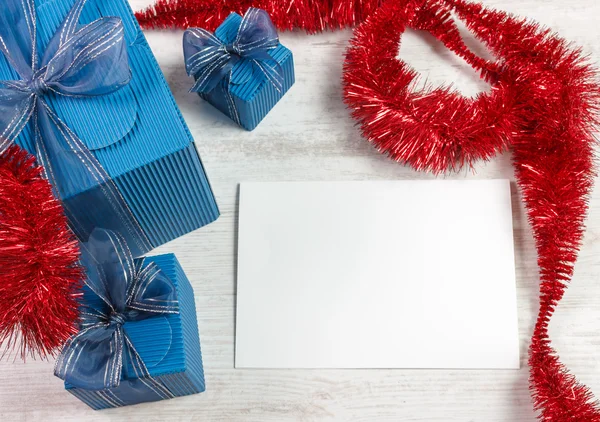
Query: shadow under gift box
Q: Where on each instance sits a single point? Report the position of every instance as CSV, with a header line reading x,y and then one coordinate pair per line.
x,y
255,97
136,133
168,344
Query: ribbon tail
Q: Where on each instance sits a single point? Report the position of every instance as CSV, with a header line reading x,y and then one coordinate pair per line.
x,y
209,76
233,110
16,109
139,371
273,72
93,359
90,197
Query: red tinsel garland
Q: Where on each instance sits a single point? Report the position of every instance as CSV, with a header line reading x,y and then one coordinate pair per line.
x,y
309,15
39,256
544,105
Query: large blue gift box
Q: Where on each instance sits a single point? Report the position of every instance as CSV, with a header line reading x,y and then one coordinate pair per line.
x,y
252,94
168,344
136,133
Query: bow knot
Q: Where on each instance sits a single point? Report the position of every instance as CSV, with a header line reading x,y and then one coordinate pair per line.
x,y
38,85
122,290
233,48
116,319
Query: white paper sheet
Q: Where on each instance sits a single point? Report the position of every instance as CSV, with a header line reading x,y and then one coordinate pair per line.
x,y
403,274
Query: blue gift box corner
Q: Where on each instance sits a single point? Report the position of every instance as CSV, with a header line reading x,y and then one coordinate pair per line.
x,y
169,345
255,98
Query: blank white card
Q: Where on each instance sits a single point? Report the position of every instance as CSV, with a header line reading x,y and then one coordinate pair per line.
x,y
403,274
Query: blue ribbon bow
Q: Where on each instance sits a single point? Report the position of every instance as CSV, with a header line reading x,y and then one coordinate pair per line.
x,y
78,62
128,290
210,60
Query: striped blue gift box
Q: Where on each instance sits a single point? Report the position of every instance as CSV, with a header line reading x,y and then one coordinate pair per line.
x,y
168,344
255,97
136,133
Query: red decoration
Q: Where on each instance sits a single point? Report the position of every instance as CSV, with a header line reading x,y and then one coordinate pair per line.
x,y
433,129
38,258
309,15
543,105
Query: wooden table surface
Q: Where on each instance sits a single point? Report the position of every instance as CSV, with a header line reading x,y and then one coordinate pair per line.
x,y
310,136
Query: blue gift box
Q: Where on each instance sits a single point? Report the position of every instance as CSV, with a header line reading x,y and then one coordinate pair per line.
x,y
136,133
168,344
255,96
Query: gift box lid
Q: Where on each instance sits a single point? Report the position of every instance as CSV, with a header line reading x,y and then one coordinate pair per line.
x,y
246,80
130,128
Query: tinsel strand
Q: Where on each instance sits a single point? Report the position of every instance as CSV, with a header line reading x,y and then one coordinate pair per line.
x,y
39,258
309,15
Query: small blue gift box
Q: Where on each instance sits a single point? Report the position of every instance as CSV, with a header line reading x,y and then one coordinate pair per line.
x,y
252,93
136,133
168,345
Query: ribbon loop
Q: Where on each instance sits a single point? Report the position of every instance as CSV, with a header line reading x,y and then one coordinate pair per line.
x,y
17,36
92,62
128,291
211,60
257,33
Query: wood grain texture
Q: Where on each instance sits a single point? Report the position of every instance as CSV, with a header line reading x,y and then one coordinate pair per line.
x,y
310,136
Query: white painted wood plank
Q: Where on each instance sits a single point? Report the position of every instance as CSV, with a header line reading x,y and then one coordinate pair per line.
x,y
310,136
